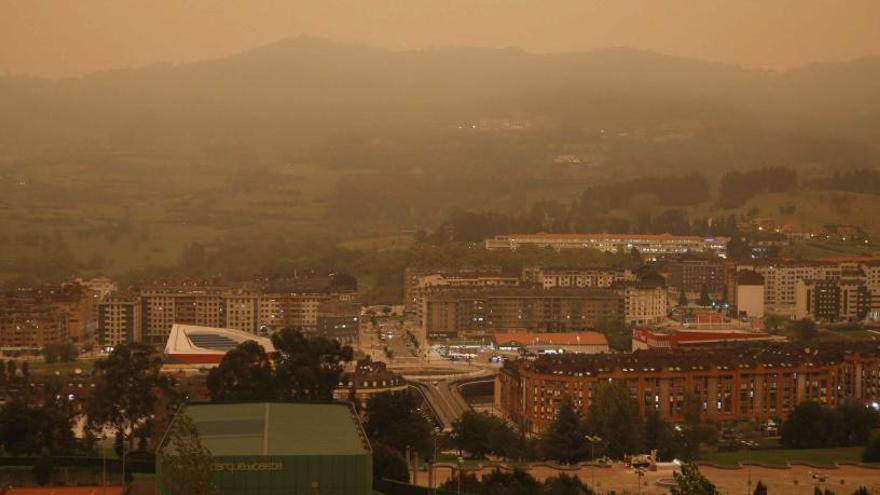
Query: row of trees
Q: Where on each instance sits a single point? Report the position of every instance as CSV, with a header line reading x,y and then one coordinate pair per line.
x,y
64,352
9,369
614,417
645,217
810,425
518,482
304,369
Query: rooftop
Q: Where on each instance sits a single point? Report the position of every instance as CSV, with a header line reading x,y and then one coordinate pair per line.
x,y
561,338
495,292
787,355
602,235
278,428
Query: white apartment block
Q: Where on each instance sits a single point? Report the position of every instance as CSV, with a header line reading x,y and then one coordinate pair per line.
x,y
644,304
649,244
550,278
781,280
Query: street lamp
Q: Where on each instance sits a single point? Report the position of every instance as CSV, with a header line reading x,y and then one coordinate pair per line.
x,y
640,472
593,439
749,445
432,474
460,466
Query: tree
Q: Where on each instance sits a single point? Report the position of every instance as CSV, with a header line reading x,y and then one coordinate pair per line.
x,y
614,415
805,427
127,388
774,322
760,489
517,482
389,464
308,368
43,467
50,355
26,429
564,441
872,449
804,330
119,443
470,484
682,298
394,419
480,434
565,484
705,300
185,462
245,373
67,352
660,436
691,482
618,334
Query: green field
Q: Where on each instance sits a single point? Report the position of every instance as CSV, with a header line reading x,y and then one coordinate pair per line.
x,y
40,366
781,457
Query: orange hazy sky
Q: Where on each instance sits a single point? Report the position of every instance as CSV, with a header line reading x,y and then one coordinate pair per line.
x,y
69,37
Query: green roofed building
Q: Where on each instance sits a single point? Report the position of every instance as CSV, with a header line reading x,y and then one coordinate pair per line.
x,y
280,447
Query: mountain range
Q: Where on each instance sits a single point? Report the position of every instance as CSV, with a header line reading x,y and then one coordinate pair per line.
x,y
296,93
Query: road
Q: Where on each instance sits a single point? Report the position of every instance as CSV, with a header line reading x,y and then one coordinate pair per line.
x,y
435,378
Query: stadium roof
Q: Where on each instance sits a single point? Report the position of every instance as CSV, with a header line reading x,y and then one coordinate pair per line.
x,y
278,428
195,345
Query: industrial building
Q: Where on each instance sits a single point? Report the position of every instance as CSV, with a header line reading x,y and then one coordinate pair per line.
x,y
552,343
268,448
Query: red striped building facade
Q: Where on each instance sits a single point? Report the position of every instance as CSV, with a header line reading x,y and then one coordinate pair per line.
x,y
742,383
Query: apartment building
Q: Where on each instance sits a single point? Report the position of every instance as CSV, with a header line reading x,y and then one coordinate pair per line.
x,y
647,244
644,303
32,317
843,299
31,326
781,278
550,278
451,312
339,320
751,383
693,275
119,320
427,283
246,309
418,282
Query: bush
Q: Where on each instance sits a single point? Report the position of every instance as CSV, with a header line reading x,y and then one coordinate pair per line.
x,y
872,450
43,469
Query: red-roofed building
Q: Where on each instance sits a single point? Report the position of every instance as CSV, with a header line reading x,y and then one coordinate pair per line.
x,y
552,343
647,338
67,490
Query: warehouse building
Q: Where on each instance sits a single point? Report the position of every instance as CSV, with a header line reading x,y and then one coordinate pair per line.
x,y
269,448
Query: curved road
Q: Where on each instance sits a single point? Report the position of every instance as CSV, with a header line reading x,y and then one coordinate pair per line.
x,y
444,397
